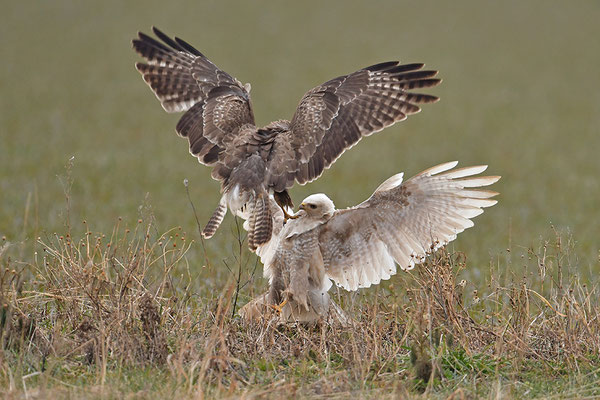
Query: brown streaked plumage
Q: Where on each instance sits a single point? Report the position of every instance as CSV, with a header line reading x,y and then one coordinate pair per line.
x,y
358,247
254,163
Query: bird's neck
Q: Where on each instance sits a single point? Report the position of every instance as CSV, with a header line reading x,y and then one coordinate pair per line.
x,y
301,225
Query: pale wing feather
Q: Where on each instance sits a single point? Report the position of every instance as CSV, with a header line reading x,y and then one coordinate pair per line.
x,y
440,168
465,171
401,223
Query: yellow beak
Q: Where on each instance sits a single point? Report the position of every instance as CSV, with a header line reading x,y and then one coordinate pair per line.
x,y
302,206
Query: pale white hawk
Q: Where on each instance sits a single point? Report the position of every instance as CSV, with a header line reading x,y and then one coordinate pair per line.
x,y
360,246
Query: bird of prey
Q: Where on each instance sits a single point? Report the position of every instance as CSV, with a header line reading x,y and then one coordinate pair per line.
x,y
255,163
360,246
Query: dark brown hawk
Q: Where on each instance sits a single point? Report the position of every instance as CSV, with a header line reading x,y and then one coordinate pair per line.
x,y
254,163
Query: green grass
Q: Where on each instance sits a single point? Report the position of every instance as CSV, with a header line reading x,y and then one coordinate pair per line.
x,y
521,93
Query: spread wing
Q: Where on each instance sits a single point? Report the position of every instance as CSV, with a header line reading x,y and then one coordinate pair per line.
x,y
401,223
183,79
336,115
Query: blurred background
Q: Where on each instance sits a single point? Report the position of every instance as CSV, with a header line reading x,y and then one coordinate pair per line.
x,y
521,93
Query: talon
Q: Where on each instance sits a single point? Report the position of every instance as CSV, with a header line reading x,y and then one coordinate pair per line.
x,y
278,307
287,216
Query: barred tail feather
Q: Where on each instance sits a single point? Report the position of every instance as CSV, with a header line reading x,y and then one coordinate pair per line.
x,y
261,227
251,226
215,221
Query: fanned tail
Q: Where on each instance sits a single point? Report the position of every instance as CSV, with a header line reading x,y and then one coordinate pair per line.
x,y
215,221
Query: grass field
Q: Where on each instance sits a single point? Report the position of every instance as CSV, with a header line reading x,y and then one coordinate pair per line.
x,y
83,139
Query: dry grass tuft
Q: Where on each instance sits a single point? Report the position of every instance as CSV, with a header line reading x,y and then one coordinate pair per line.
x,y
96,298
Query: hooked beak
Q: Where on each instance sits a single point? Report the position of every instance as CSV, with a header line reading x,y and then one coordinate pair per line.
x,y
302,207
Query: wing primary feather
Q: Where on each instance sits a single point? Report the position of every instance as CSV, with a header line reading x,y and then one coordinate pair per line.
x,y
390,183
420,84
438,168
408,76
404,68
478,181
465,171
478,194
148,40
382,66
165,38
188,47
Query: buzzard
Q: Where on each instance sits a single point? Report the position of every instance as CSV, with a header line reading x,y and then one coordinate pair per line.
x,y
255,163
360,246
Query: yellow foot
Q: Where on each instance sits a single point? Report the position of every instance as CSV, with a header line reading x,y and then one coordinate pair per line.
x,y
278,307
287,216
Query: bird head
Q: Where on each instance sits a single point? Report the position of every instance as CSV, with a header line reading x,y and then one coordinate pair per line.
x,y
318,206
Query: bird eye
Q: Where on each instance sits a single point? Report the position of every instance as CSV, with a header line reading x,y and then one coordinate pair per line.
x,y
313,206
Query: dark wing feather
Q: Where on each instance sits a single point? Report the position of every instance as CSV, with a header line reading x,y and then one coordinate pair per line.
x,y
183,79
336,115
282,164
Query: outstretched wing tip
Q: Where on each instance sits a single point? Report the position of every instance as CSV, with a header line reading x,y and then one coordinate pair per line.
x,y
477,181
491,203
391,182
494,178
437,169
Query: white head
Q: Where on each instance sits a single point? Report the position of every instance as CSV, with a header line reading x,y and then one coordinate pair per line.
x,y
318,206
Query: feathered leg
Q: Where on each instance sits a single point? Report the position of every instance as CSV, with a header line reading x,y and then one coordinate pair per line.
x,y
284,201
